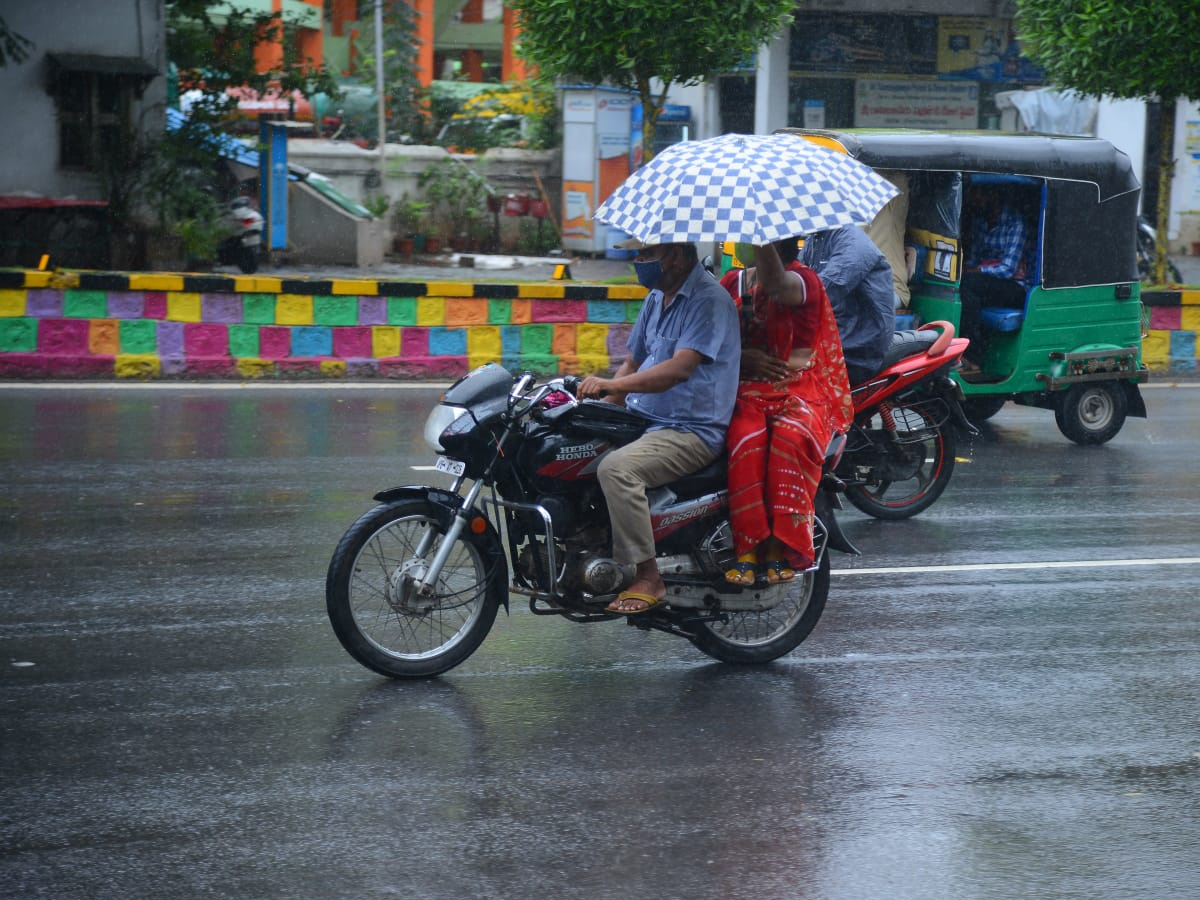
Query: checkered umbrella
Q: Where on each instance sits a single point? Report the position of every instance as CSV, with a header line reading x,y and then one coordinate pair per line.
x,y
744,187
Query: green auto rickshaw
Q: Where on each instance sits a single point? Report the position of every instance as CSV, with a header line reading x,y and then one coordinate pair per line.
x,y
1074,344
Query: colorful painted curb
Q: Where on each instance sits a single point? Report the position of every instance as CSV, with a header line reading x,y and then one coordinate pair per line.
x,y
102,325
161,325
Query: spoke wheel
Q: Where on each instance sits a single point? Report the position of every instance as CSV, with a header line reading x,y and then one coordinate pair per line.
x,y
375,605
759,637
914,468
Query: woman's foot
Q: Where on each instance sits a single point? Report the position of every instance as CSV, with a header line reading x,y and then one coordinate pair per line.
x,y
742,573
745,571
779,571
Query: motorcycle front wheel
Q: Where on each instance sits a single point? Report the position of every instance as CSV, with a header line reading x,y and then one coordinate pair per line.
x,y
380,616
753,638
914,465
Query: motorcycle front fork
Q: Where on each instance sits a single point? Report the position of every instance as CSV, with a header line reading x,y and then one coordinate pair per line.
x,y
425,583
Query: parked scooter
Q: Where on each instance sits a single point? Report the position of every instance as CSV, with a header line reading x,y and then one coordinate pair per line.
x,y
901,448
241,248
415,584
1147,254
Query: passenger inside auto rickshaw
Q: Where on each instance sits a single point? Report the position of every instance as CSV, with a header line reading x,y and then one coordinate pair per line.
x,y
999,229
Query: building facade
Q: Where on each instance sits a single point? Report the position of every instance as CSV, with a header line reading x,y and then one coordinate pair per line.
x,y
96,71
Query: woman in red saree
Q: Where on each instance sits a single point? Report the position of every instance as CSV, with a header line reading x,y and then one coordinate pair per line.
x,y
794,396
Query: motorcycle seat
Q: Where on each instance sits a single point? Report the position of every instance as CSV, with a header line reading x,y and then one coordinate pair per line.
x,y
908,343
712,477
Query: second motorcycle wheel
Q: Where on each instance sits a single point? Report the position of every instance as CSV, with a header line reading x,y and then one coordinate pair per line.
x,y
913,465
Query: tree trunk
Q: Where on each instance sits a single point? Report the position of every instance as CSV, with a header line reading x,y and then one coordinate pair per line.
x,y
1166,172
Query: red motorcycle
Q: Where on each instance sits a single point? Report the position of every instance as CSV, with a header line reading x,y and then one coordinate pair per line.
x,y
900,450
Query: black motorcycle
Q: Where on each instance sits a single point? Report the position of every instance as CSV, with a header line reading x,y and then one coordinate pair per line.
x,y
415,584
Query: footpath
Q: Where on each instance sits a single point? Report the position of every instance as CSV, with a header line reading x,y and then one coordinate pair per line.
x,y
467,267
479,267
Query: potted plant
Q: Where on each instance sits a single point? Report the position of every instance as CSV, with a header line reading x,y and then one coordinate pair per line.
x,y
458,197
408,224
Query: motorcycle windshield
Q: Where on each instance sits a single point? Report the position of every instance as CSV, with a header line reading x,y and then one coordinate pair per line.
x,y
488,382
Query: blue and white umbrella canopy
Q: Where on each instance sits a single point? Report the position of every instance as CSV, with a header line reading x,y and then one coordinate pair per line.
x,y
755,188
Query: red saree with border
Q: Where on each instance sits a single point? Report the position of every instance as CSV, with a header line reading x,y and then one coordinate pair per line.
x,y
779,432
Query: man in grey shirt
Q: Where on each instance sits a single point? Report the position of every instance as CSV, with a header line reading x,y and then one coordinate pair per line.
x,y
858,280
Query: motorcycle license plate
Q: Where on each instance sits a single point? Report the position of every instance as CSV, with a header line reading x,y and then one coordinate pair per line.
x,y
452,466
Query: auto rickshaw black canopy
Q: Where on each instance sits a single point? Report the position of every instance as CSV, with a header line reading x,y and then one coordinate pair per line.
x,y
1090,227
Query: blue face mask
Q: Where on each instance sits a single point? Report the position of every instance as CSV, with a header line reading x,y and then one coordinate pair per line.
x,y
648,273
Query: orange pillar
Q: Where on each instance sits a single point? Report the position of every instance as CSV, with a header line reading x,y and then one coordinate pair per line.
x,y
472,60
512,67
424,16
310,42
341,12
268,53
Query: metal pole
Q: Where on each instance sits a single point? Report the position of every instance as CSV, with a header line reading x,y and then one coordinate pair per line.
x,y
382,138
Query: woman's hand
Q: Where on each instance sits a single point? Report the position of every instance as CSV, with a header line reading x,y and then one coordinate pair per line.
x,y
759,365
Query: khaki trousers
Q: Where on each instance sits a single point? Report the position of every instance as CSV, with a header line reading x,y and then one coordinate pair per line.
x,y
656,458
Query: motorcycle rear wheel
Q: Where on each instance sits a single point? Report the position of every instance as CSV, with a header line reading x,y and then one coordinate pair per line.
x,y
917,470
754,638
376,613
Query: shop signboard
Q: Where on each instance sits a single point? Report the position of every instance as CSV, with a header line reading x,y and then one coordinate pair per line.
x,y
934,105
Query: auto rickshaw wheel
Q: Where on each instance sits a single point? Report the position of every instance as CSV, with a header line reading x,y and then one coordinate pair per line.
x,y
1091,413
981,408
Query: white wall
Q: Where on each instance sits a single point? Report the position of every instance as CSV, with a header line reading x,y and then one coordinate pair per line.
x,y
1123,124
1184,227
771,85
129,28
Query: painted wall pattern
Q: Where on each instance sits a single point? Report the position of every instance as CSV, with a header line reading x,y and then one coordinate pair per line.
x,y
103,325
97,325
1170,341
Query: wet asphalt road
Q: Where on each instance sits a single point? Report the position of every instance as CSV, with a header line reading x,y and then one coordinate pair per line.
x,y
177,719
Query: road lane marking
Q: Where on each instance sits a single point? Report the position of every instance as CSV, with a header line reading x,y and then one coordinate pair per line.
x,y
1000,567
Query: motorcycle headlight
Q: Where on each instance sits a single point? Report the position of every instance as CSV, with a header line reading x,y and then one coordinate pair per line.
x,y
440,418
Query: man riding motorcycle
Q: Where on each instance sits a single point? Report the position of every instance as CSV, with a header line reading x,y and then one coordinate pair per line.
x,y
682,373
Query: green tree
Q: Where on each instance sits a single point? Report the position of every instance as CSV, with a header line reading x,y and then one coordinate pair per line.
x,y
178,176
406,104
1133,49
212,44
630,43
